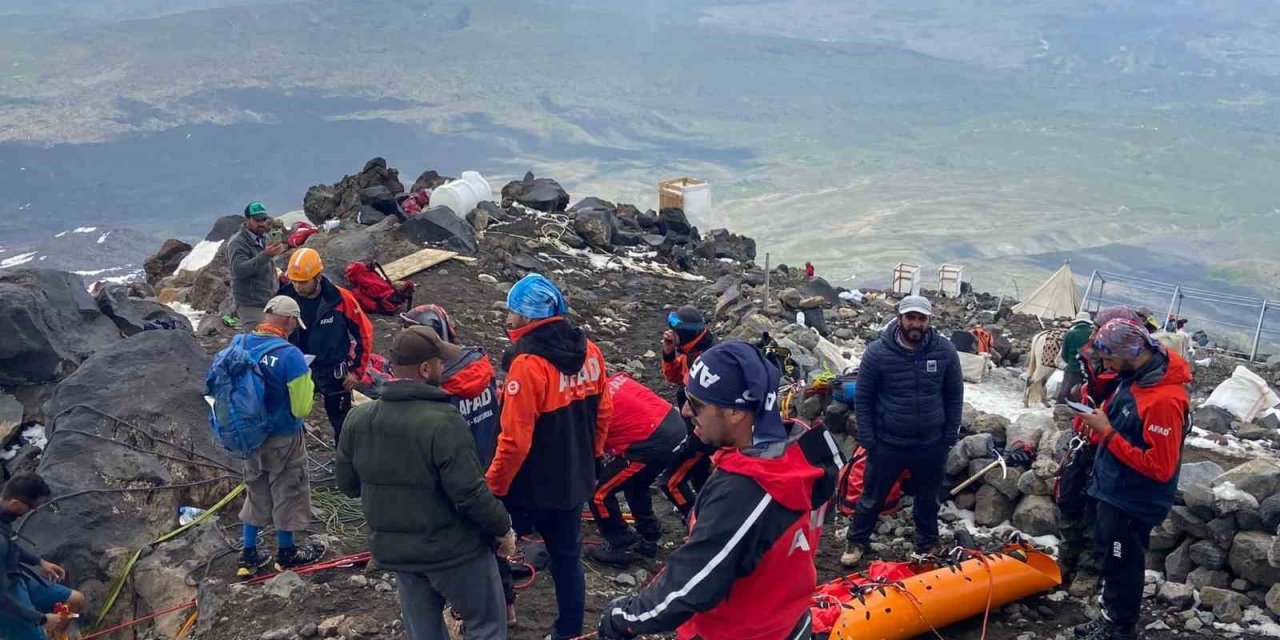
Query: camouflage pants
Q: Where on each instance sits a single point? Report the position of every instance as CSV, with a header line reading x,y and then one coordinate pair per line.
x,y
1077,553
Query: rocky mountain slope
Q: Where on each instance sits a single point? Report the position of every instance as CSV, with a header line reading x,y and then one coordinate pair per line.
x,y
127,439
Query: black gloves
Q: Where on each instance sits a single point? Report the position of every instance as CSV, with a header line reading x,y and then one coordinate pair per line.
x,y
612,627
1019,454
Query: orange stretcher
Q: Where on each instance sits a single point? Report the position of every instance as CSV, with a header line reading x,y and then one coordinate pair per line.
x,y
936,597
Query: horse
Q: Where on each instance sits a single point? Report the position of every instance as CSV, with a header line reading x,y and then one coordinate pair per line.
x,y
1042,360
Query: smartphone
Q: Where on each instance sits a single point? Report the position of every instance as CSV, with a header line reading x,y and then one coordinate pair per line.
x,y
275,236
1079,408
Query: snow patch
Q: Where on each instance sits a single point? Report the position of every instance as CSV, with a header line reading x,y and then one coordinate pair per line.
x,y
84,230
1001,393
31,435
200,256
103,238
193,315
21,258
59,235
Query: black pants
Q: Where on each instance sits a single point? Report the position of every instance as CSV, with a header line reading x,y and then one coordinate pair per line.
x,y
337,404
633,475
1069,379
687,472
884,465
1122,545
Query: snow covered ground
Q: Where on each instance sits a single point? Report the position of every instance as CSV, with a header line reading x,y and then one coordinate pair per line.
x,y
1000,393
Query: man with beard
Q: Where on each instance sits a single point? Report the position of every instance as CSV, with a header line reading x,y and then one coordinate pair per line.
x,y
909,401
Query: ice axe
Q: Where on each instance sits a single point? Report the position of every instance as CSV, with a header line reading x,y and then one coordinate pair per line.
x,y
999,461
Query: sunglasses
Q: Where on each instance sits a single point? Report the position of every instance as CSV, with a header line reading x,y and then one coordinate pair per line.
x,y
675,322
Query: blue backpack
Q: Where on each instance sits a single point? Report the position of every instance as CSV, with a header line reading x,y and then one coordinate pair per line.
x,y
237,385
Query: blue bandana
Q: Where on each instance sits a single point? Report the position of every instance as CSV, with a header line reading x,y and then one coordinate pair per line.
x,y
736,375
536,298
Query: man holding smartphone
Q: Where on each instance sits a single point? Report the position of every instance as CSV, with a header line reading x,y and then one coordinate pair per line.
x,y
250,255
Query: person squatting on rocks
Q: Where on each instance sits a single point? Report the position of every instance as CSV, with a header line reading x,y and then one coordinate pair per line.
x,y
250,256
1077,510
468,378
555,419
336,333
411,459
1076,337
28,598
908,405
643,435
1140,430
686,338
747,570
278,492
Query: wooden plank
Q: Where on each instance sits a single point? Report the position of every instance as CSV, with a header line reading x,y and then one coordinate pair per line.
x,y
411,264
466,259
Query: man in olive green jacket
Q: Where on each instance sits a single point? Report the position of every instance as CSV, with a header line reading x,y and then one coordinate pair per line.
x,y
411,459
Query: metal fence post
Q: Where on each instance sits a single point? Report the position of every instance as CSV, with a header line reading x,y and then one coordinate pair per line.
x,y
1084,302
1177,295
767,271
1257,334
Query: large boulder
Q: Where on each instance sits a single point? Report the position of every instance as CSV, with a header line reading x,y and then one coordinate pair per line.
x,y
223,228
1028,428
541,194
1248,558
818,286
165,261
134,315
1211,418
352,244
443,226
1200,474
49,324
1259,478
674,223
992,507
157,436
429,180
1036,516
722,244
344,199
596,226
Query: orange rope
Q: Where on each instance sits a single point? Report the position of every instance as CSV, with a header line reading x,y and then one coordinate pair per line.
x,y
186,627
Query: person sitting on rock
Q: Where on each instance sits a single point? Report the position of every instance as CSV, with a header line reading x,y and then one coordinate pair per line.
x,y
250,257
643,436
909,402
410,457
1135,476
686,338
336,332
556,411
278,492
469,380
747,569
28,599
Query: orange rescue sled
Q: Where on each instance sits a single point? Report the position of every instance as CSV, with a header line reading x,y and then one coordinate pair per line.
x,y
934,599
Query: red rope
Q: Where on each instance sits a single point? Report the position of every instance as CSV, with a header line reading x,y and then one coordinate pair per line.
x,y
126,625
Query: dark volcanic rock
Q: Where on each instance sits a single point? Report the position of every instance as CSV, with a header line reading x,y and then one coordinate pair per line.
x,y
49,324
542,194
429,180
441,225
133,315
596,226
728,245
344,199
165,261
224,228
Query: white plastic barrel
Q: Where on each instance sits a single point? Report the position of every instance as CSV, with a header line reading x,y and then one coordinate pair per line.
x,y
462,195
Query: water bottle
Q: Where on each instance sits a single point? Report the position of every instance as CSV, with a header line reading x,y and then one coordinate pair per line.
x,y
188,514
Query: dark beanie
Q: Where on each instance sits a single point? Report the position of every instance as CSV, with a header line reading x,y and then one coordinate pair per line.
x,y
736,375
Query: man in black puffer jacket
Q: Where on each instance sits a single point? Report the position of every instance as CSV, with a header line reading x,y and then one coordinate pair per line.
x,y
909,401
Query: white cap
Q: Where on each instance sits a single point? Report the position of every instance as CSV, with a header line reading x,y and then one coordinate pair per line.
x,y
917,304
285,307
1083,316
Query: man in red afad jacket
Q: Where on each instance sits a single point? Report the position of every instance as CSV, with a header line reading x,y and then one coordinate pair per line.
x,y
747,570
1135,475
643,436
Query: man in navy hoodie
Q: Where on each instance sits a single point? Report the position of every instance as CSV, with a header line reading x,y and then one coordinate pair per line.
x,y
747,570
909,401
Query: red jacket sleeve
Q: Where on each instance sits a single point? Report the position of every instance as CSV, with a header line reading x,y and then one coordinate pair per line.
x,y
604,411
523,397
361,331
673,369
1162,426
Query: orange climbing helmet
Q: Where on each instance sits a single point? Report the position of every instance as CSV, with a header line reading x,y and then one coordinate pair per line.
x,y
304,264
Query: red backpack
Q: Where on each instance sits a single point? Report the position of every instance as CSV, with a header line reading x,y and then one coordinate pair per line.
x,y
850,483
375,291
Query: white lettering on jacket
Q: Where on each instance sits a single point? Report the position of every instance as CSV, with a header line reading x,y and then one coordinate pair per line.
x,y
466,406
1155,428
591,372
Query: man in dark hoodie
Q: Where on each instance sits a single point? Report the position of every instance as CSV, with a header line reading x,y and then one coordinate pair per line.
x,y
555,419
909,401
747,570
686,338
28,599
1135,474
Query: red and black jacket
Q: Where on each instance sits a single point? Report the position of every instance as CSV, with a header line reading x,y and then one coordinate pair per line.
x,y
340,336
637,412
555,417
747,570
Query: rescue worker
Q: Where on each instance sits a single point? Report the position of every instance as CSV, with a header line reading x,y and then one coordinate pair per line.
x,y
469,380
643,435
335,331
28,598
1140,430
808,270
410,458
747,570
278,492
686,338
555,419
250,255
1075,338
910,397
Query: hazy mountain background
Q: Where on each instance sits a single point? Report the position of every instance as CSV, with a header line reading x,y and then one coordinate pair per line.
x,y
1004,135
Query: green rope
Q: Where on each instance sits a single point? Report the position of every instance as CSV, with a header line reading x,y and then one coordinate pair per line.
x,y
342,516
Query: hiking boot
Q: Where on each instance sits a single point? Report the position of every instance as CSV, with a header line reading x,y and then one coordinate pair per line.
x,y
511,615
291,557
1083,630
251,563
930,549
646,548
852,556
1111,631
609,554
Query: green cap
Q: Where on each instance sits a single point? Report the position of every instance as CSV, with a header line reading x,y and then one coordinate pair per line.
x,y
255,209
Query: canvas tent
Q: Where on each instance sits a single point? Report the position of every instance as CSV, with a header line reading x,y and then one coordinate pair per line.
x,y
1057,297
